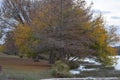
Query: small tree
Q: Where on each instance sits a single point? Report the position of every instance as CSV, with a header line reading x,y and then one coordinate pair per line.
x,y
101,46
25,40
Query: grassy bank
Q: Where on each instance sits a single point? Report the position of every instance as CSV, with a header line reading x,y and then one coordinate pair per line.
x,y
15,68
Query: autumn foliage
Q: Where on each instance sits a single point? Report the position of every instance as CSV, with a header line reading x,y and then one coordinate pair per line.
x,y
63,31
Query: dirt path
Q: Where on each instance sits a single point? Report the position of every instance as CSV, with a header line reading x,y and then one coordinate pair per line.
x,y
22,64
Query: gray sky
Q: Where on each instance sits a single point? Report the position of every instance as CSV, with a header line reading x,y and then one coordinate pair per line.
x,y
110,10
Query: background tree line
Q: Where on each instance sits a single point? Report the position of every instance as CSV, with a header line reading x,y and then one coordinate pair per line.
x,y
60,29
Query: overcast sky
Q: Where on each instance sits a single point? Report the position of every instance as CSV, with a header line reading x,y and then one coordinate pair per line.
x,y
110,10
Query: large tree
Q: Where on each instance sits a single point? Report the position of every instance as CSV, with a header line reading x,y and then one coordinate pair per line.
x,y
65,29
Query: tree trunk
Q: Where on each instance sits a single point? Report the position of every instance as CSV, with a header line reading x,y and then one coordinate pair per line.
x,y
51,58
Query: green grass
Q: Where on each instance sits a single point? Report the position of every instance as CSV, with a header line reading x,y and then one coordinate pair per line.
x,y
25,75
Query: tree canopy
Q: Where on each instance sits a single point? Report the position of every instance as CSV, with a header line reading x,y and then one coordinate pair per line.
x,y
62,29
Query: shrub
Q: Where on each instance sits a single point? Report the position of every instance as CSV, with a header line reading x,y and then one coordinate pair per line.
x,y
61,69
73,64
